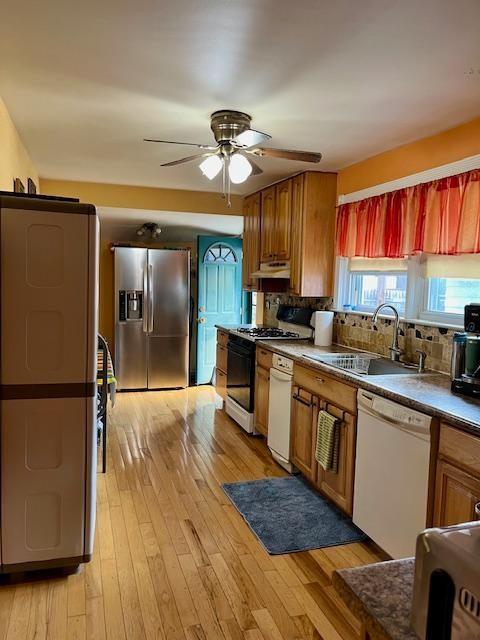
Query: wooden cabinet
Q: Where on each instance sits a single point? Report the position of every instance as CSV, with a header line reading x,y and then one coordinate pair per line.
x,y
339,486
456,494
313,234
267,225
339,400
303,430
221,364
457,483
283,220
262,392
251,241
293,220
276,221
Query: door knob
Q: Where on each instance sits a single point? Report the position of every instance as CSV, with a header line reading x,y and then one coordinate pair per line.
x,y
202,320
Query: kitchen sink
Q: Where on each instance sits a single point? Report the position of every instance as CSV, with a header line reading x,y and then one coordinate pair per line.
x,y
364,364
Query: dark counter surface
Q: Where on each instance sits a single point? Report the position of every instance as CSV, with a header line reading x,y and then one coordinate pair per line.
x,y
380,595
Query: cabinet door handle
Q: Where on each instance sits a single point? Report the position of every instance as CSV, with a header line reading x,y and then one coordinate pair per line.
x,y
264,353
319,380
301,400
477,510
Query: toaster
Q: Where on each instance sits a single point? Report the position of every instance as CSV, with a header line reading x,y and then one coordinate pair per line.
x,y
446,593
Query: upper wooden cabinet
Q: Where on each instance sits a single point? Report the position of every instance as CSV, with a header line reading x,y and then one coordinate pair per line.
x,y
313,234
276,222
251,240
296,223
283,220
268,217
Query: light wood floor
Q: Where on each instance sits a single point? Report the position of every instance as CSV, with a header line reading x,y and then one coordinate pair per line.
x,y
173,558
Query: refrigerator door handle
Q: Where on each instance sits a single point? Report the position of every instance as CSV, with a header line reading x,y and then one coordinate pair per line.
x,y
145,299
150,296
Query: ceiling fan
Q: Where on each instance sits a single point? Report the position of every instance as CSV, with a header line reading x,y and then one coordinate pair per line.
x,y
237,145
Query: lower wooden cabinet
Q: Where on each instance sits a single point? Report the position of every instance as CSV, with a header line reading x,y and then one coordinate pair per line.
x,y
221,383
262,392
221,364
339,486
305,408
457,483
456,495
303,432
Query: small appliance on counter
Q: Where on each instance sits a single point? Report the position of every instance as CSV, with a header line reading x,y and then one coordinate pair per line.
x,y
446,595
294,324
465,366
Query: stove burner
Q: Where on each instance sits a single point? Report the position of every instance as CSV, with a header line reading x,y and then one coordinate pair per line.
x,y
268,332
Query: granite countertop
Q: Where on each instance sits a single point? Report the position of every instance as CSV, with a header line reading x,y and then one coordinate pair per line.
x,y
429,392
380,595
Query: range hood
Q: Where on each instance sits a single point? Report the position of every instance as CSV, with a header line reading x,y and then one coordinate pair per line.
x,y
278,269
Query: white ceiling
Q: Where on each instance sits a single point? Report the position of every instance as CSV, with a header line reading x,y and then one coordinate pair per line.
x,y
120,225
86,81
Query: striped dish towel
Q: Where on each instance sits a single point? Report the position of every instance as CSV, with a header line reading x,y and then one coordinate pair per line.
x,y
328,441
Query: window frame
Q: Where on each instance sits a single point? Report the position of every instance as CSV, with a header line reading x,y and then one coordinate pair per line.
x,y
416,305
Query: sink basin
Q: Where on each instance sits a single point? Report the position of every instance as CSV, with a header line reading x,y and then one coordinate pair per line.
x,y
365,364
385,367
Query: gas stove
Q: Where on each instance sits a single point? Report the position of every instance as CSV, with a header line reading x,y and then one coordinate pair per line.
x,y
266,333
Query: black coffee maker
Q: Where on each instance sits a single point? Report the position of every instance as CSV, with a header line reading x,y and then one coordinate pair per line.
x,y
465,367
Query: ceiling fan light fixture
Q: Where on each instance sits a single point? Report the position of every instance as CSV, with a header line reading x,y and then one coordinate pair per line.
x,y
211,166
239,168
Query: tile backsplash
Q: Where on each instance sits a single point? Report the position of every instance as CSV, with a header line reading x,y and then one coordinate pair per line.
x,y
357,331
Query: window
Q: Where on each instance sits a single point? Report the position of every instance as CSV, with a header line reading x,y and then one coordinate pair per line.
x,y
450,295
371,289
431,288
219,253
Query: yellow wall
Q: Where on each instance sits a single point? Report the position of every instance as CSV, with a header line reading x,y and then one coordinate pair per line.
x,y
14,159
451,145
130,197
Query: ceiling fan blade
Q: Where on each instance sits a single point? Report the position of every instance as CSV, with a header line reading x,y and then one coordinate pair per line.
x,y
250,138
188,144
287,154
256,170
187,159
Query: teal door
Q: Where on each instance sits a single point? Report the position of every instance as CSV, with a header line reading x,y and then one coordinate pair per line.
x,y
219,296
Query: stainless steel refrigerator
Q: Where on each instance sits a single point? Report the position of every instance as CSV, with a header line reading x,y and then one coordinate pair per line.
x,y
152,318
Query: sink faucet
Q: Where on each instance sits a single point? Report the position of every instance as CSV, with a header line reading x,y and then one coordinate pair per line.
x,y
395,352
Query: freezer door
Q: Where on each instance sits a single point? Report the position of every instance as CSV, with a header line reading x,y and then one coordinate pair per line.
x,y
167,362
169,310
130,328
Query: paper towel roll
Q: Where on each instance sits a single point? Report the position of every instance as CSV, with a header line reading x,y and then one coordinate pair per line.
x,y
322,322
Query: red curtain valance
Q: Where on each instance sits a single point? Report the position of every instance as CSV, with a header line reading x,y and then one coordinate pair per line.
x,y
439,217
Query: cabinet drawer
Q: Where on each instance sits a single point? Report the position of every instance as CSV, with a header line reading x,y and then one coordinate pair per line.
x,y
264,358
222,358
222,337
341,394
461,448
221,383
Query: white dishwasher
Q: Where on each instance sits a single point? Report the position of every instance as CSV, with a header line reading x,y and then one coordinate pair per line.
x,y
280,394
391,473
